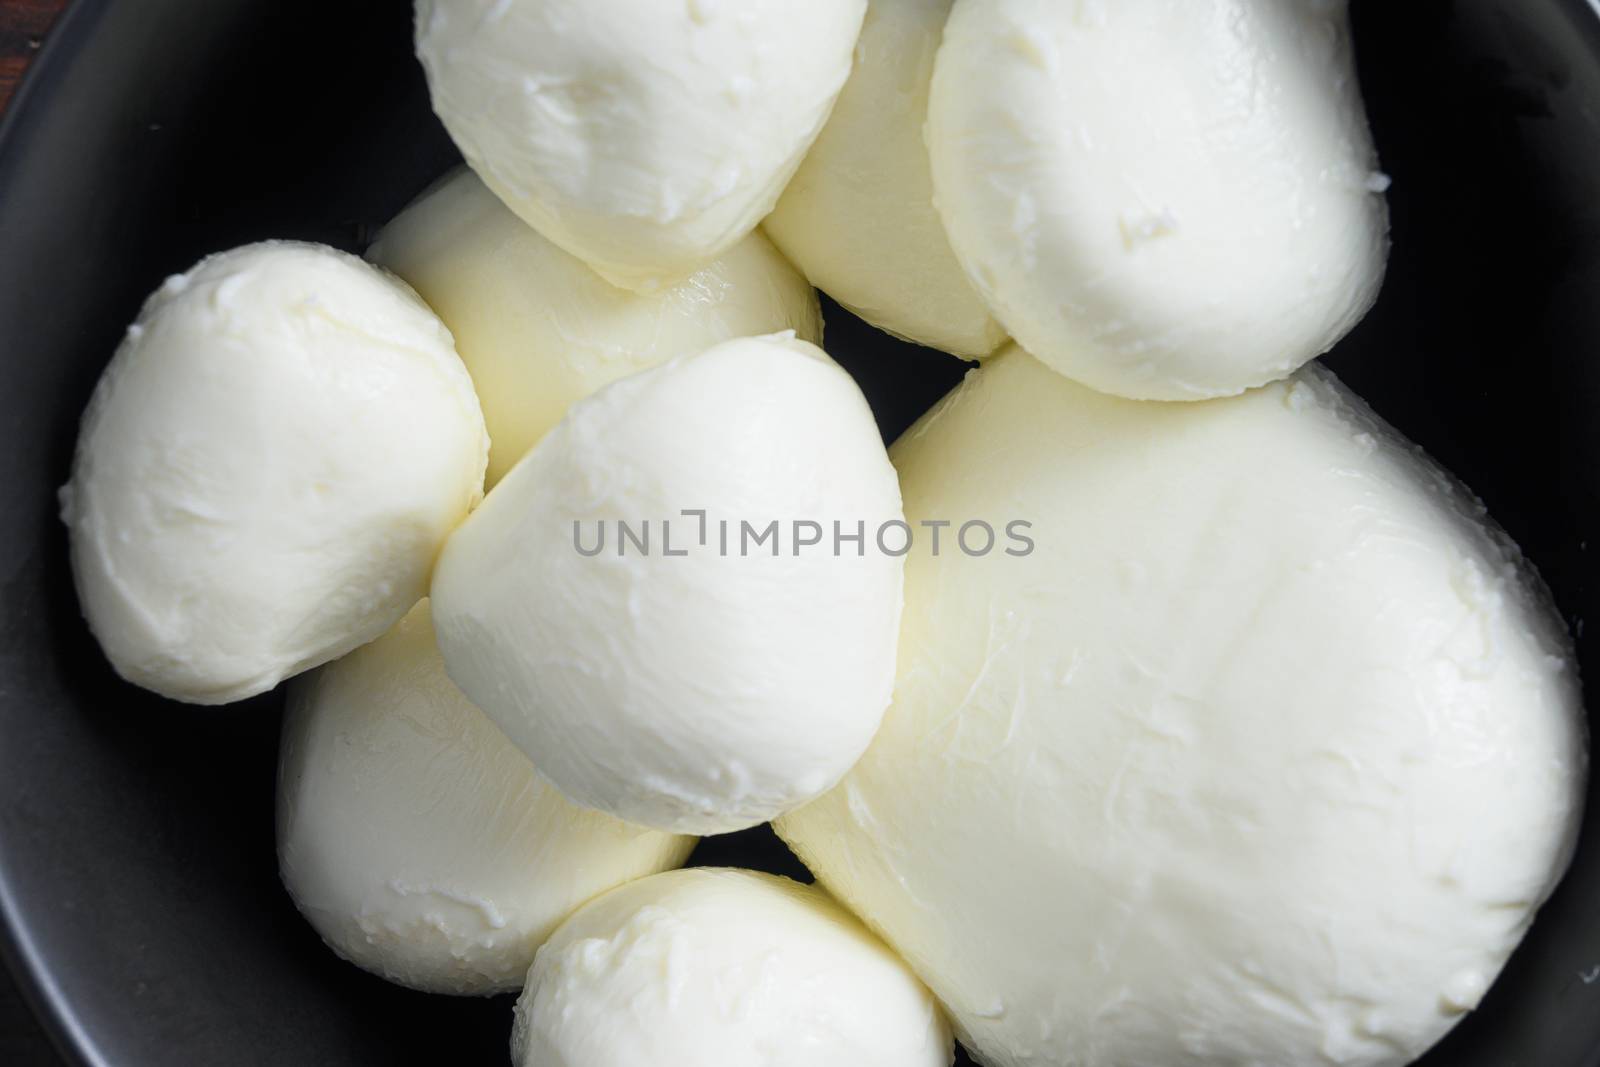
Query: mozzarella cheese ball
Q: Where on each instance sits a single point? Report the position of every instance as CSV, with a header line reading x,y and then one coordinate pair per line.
x,y
537,329
1161,199
722,968
858,216
1266,752
266,471
645,138
634,605
418,841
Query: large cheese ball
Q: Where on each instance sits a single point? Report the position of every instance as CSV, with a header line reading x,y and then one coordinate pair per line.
x,y
644,137
722,968
637,606
1161,199
858,216
266,471
538,329
420,842
1265,752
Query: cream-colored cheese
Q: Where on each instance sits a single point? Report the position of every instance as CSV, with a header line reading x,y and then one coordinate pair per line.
x,y
1266,753
1162,199
722,968
266,471
858,216
688,686
537,329
418,840
644,137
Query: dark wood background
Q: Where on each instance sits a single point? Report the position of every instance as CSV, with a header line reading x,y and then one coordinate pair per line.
x,y
23,25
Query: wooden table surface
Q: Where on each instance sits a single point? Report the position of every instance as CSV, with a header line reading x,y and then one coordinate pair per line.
x,y
23,24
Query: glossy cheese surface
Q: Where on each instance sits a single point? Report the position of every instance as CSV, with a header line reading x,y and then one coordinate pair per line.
x,y
1161,199
722,968
1266,754
699,673
644,137
538,329
267,469
419,841
858,216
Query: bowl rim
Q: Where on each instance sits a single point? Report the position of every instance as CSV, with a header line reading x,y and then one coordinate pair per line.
x,y
24,117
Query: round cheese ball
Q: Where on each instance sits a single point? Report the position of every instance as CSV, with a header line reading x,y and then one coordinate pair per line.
x,y
538,329
634,606
645,138
266,471
1266,752
1161,199
858,216
421,843
722,968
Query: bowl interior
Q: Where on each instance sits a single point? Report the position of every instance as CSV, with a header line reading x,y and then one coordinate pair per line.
x,y
137,872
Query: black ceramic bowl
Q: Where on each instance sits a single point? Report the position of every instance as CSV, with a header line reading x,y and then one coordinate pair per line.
x,y
138,887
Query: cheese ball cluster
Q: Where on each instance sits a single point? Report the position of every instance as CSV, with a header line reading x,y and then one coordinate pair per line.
x,y
1151,701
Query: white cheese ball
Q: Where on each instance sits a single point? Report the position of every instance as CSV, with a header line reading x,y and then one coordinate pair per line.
x,y
1161,199
858,216
704,690
1265,754
645,138
266,471
537,329
419,841
722,968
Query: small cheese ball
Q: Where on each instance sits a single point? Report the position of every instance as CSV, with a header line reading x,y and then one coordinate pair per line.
x,y
1260,745
645,138
418,841
537,329
722,968
266,471
641,605
858,216
1161,199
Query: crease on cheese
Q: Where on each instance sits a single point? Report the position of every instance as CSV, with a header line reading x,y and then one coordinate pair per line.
x,y
645,138
538,329
1267,753
1161,199
722,968
418,840
266,470
858,216
708,690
